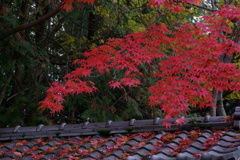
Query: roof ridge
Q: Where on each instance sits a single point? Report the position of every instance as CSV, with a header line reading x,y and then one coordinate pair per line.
x,y
115,127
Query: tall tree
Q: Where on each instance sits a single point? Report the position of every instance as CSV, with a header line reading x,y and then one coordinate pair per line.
x,y
189,55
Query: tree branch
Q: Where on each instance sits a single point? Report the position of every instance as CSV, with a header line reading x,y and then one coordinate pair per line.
x,y
212,3
4,89
206,8
31,24
195,5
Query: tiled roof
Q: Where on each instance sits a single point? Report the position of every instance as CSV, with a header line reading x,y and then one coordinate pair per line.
x,y
205,138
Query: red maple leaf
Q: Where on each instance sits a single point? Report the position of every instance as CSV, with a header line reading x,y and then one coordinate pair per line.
x,y
167,124
180,121
183,78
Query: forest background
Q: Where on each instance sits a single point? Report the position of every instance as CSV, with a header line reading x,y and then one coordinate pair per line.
x,y
39,40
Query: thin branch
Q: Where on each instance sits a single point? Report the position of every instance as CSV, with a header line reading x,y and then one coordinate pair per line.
x,y
162,14
198,6
206,8
31,24
212,3
112,105
4,89
20,92
50,39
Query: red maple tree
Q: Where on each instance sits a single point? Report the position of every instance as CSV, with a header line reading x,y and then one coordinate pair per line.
x,y
185,78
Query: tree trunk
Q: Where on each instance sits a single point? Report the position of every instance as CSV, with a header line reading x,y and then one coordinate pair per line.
x,y
213,110
220,110
3,91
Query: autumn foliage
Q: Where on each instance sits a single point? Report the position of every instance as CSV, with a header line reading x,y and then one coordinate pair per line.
x,y
189,63
67,4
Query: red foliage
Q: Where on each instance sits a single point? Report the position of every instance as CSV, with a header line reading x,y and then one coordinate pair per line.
x,y
183,144
37,156
185,77
180,121
67,4
171,4
214,138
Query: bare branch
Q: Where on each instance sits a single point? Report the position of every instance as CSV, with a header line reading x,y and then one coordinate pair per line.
x,y
212,3
198,6
206,8
31,24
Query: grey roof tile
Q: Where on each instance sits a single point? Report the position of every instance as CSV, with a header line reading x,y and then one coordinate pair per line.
x,y
126,147
138,139
102,149
158,136
205,135
176,140
185,156
94,155
134,157
171,145
65,146
86,145
56,151
215,155
229,139
27,129
136,146
10,145
162,156
166,151
118,153
4,149
197,145
50,128
44,148
86,158
223,150
6,158
147,157
111,157
149,147
223,143
132,143
48,157
182,135
109,143
27,158
193,150
232,134
142,152
5,138
201,139
69,134
23,149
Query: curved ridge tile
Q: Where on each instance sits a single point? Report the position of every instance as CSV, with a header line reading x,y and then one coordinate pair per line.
x,y
229,139
182,135
197,145
16,129
223,143
62,126
39,127
149,147
205,135
166,151
185,156
162,156
192,150
201,140
212,155
142,152
222,150
232,134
